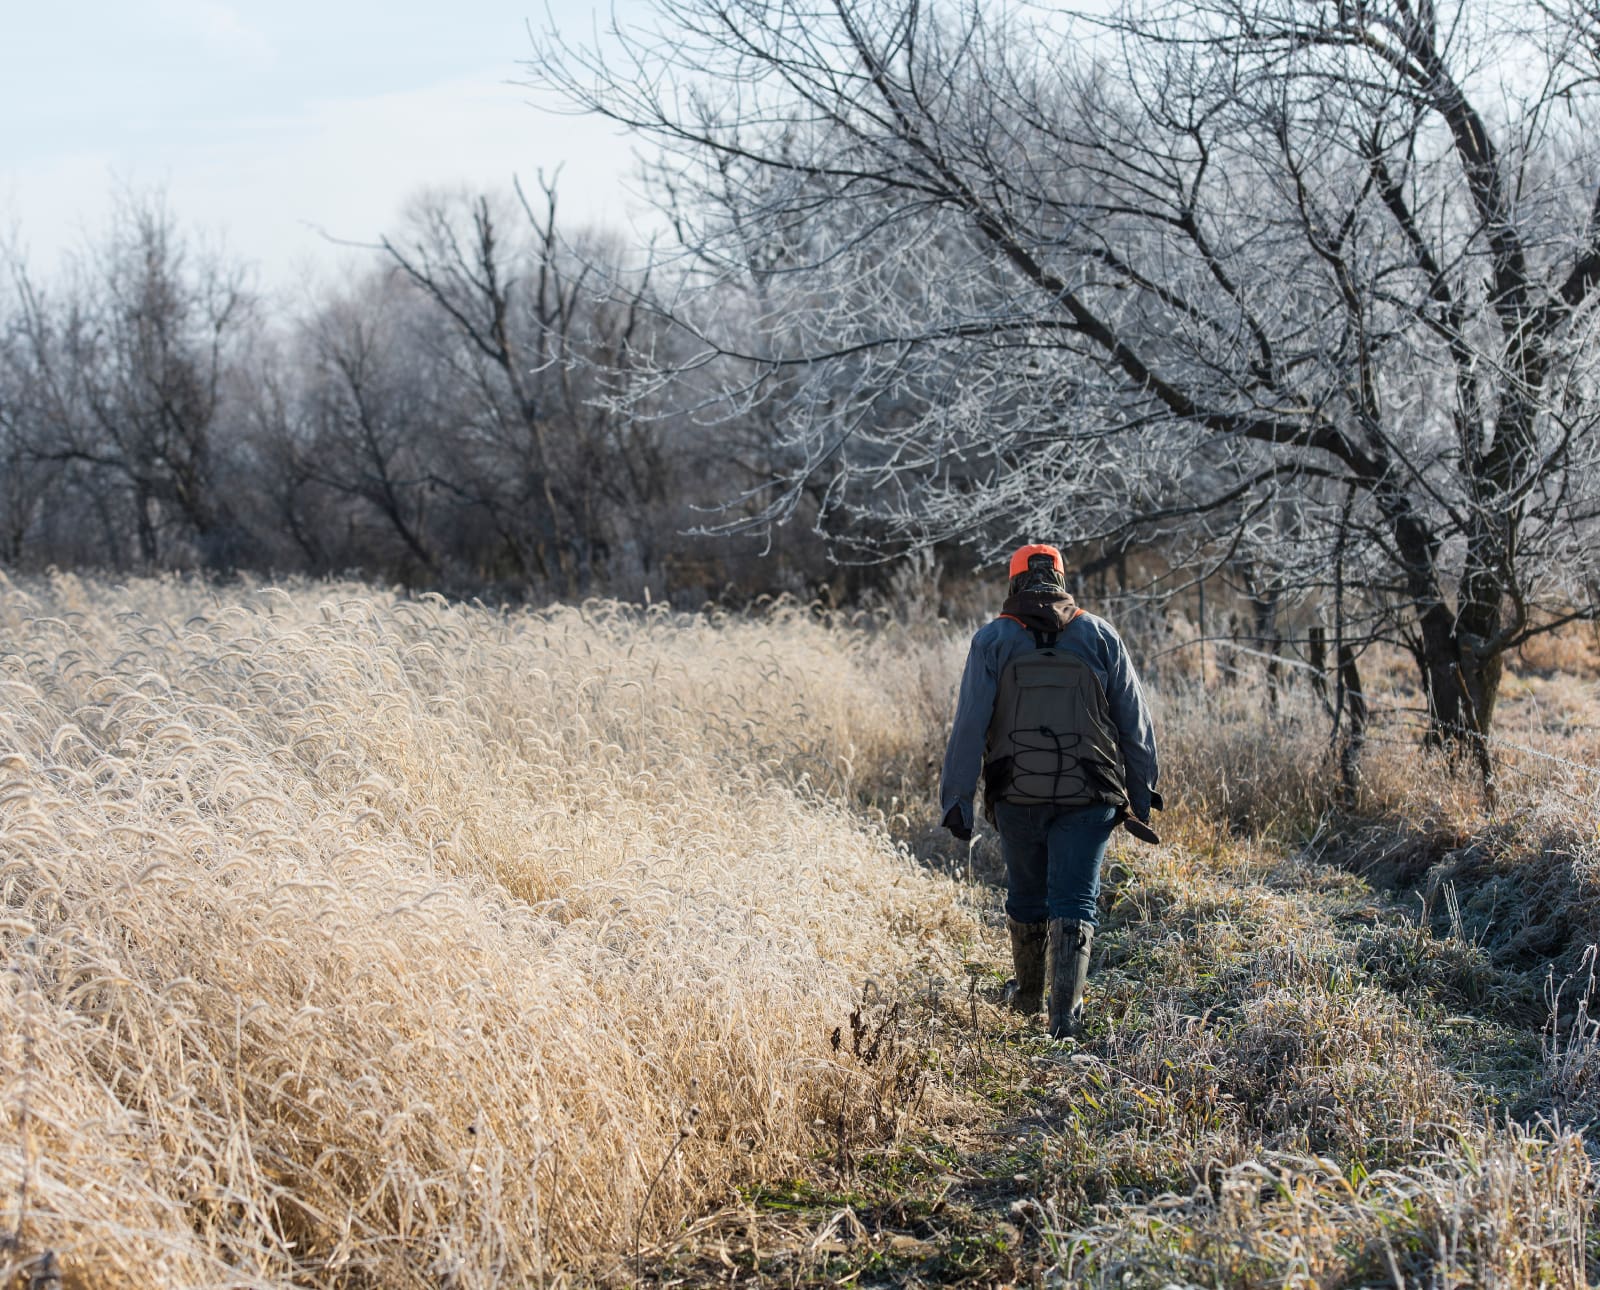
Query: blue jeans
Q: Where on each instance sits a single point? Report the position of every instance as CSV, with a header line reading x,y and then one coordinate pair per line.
x,y
1053,856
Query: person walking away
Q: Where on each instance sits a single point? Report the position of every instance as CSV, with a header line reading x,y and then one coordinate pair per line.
x,y
1052,713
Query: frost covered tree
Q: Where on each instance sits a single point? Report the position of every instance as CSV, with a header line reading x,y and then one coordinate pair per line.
x,y
1300,283
123,377
533,348
376,435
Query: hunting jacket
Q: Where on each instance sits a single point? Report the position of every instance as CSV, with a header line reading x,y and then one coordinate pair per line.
x,y
1096,642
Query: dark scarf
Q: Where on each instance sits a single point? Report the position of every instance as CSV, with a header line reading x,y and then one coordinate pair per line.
x,y
1041,609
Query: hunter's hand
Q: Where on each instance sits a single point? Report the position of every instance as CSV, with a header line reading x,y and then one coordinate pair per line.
x,y
959,829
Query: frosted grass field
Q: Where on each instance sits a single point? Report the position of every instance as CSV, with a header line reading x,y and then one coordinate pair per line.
x,y
360,940
355,940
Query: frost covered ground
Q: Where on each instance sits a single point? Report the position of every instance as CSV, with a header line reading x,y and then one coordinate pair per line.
x,y
358,940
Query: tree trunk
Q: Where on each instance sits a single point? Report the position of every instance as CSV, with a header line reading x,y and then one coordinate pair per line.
x,y
1354,699
146,525
1268,639
1460,684
1437,662
1461,689
1317,656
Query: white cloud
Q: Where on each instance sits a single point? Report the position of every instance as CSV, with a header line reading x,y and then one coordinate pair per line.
x,y
268,183
473,131
60,205
348,166
219,25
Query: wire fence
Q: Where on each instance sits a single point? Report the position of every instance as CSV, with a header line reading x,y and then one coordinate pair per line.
x,y
1591,800
1418,719
1502,751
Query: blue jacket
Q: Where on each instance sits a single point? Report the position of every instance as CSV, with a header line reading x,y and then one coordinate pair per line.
x,y
1096,642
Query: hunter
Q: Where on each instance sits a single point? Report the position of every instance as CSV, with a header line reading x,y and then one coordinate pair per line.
x,y
1052,713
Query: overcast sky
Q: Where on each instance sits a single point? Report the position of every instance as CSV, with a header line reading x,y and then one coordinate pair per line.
x,y
264,120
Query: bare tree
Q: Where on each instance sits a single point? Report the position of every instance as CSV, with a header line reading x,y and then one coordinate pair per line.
x,y
28,486
370,405
127,367
545,337
509,308
1303,285
280,413
476,410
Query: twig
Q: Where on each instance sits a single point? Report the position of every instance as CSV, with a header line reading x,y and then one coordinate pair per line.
x,y
28,986
684,1131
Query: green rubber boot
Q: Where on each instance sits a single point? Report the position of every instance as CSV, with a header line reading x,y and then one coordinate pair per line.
x,y
1070,940
1025,991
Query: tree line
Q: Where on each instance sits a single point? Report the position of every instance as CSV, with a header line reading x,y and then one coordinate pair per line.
x,y
1299,290
1298,293
470,411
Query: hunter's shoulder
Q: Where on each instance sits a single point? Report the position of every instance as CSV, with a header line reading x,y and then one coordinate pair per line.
x,y
996,631
1091,623
1097,633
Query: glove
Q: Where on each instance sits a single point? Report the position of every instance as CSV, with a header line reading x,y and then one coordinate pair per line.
x,y
1139,825
1139,828
960,830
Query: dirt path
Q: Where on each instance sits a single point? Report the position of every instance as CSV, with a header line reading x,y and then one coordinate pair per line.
x,y
1285,1077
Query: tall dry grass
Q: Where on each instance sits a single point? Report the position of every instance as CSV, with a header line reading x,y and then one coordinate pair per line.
x,y
1347,1043
354,940
358,940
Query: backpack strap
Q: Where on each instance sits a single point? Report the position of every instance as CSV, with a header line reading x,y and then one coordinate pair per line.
x,y
1041,638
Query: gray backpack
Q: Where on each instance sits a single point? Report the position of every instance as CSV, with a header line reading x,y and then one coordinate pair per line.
x,y
1051,739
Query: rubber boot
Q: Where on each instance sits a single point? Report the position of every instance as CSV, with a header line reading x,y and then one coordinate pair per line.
x,y
1070,940
1025,991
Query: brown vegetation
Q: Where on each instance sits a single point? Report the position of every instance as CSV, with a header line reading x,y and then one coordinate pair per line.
x,y
358,940
383,942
